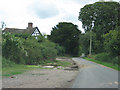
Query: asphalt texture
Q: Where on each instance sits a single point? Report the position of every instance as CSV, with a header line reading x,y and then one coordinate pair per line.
x,y
93,75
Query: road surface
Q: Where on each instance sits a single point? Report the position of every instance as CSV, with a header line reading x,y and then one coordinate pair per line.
x,y
92,75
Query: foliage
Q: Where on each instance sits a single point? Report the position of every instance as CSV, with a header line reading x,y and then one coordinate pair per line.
x,y
41,39
12,48
26,49
100,17
19,69
23,35
85,43
102,14
60,49
105,57
7,63
67,35
108,64
112,42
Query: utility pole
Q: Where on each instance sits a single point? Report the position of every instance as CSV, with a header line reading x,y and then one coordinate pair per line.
x,y
90,50
90,43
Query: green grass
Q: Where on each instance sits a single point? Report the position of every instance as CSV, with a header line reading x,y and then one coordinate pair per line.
x,y
33,66
63,63
65,56
19,69
104,63
58,63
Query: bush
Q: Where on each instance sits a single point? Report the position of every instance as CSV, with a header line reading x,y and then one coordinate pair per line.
x,y
60,50
112,42
12,48
115,60
105,57
48,50
7,63
29,50
38,52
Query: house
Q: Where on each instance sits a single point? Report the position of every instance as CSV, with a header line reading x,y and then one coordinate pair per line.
x,y
34,31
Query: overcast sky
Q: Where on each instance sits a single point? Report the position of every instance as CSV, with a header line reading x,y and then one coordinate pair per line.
x,y
44,14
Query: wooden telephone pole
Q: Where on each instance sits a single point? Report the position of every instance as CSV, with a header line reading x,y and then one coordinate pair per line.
x,y
90,43
90,50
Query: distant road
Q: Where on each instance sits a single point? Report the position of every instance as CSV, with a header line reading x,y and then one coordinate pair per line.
x,y
92,75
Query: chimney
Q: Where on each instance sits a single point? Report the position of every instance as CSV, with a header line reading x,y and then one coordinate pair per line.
x,y
30,25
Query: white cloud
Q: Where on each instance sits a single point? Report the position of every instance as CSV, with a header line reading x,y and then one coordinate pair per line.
x,y
44,14
43,9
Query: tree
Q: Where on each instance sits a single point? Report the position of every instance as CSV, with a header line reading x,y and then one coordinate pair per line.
x,y
112,42
104,14
85,40
100,17
67,35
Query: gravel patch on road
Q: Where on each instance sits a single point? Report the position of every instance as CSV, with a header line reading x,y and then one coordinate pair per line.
x,y
41,78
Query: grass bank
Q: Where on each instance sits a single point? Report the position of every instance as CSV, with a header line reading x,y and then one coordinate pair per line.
x,y
19,68
116,67
16,69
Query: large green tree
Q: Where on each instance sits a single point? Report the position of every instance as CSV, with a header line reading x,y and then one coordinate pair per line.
x,y
85,42
100,17
67,35
112,42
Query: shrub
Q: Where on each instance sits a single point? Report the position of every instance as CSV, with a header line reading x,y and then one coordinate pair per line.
x,y
7,63
105,57
115,60
112,42
48,50
38,52
28,50
12,48
60,50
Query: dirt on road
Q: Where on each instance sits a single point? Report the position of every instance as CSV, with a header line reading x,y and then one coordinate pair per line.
x,y
41,78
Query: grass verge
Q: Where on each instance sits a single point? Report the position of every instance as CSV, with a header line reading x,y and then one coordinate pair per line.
x,y
116,67
63,63
19,69
57,63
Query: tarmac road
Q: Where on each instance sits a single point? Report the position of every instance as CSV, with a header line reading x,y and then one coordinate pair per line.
x,y
92,75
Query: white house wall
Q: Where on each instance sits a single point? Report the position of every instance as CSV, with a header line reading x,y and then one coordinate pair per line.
x,y
36,32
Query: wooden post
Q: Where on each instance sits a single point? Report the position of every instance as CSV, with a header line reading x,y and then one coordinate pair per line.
x,y
90,50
